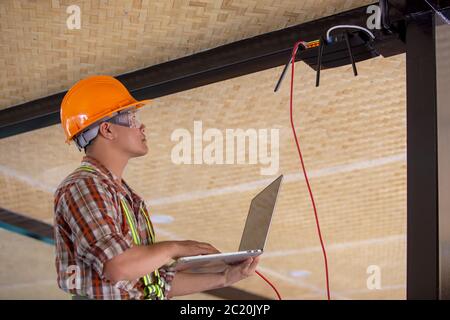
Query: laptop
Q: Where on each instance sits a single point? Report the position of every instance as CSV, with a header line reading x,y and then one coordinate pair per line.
x,y
253,237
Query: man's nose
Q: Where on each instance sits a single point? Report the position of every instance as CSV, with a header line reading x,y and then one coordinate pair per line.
x,y
142,128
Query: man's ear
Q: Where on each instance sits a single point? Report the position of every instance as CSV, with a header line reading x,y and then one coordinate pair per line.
x,y
106,130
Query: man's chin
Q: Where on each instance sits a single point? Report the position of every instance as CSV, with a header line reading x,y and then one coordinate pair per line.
x,y
143,152
139,153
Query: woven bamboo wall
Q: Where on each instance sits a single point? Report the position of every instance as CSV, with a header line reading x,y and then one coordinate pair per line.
x,y
353,136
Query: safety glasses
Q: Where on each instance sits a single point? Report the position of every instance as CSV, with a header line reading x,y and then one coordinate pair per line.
x,y
127,118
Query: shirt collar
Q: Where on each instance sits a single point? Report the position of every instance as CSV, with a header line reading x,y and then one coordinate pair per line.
x,y
125,188
90,161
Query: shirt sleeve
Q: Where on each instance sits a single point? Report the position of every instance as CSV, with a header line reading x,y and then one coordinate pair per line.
x,y
95,223
167,274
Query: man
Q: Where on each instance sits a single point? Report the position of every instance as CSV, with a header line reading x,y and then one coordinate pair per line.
x,y
105,242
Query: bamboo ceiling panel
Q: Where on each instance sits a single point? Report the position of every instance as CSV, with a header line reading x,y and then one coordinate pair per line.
x,y
41,56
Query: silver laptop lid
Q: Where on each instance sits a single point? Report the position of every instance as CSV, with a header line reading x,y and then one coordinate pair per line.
x,y
259,217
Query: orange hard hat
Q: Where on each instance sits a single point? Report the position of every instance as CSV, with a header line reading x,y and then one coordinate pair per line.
x,y
92,99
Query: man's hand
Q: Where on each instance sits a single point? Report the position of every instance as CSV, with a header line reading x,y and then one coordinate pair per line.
x,y
136,261
188,283
191,248
235,273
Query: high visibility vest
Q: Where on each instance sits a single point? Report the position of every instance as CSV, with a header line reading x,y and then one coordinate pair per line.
x,y
149,287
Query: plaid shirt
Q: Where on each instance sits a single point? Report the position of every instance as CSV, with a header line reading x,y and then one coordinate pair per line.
x,y
90,229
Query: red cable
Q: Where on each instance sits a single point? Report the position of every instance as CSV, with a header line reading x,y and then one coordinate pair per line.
x,y
270,284
294,52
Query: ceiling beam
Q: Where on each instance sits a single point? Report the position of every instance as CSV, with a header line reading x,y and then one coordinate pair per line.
x,y
26,226
225,62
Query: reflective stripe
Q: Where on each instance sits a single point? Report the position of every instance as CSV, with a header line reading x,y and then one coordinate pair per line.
x,y
148,288
136,238
87,168
151,232
137,241
134,232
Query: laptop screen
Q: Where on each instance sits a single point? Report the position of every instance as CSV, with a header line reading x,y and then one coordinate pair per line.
x,y
259,217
